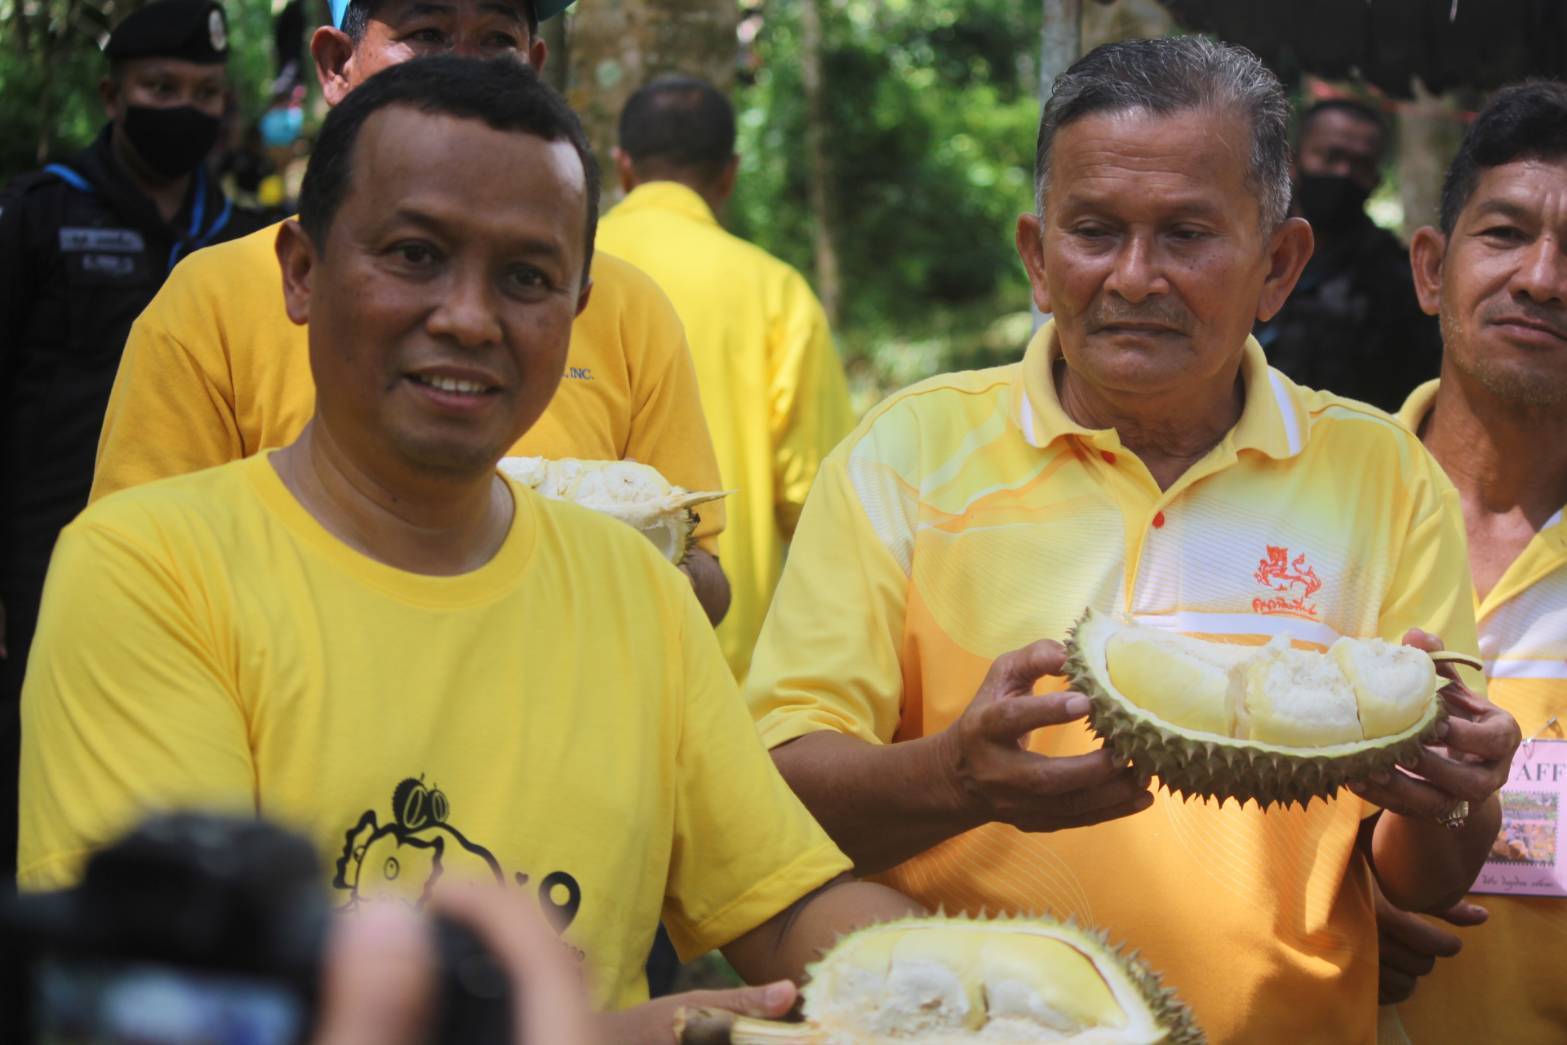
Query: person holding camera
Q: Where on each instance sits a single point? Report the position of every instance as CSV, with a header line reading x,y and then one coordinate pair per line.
x,y
371,636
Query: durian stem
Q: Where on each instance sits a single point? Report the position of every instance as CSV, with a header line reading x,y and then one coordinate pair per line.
x,y
716,1027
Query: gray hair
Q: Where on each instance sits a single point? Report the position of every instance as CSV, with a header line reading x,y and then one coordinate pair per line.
x,y
1173,75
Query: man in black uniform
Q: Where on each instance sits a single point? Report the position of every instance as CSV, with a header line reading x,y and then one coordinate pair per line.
x,y
1352,325
84,245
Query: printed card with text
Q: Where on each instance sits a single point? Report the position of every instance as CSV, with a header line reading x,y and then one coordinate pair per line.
x,y
1529,856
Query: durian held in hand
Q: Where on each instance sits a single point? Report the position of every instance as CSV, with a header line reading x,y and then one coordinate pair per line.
x,y
1270,723
944,981
634,493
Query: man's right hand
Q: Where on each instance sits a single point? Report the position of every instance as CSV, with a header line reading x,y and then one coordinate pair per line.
x,y
986,752
1409,945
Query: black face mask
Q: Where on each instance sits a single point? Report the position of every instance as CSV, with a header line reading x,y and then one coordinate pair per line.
x,y
1330,202
170,141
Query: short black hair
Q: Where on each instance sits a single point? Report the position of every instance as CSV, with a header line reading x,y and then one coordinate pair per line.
x,y
678,124
1348,106
502,92
359,13
1527,121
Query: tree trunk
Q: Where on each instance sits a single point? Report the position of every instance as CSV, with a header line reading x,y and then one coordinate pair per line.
x,y
617,46
1061,42
557,65
1428,135
828,281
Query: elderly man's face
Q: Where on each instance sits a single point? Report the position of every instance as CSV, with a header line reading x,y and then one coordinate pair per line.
x,y
404,29
440,306
1499,282
1151,256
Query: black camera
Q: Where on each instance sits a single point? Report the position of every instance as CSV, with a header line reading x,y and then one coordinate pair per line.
x,y
204,929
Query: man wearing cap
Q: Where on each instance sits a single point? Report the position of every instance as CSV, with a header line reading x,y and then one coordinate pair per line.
x,y
84,245
214,370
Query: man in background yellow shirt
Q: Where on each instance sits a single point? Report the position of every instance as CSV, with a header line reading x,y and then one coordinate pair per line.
x,y
1496,420
772,385
371,636
1142,459
214,371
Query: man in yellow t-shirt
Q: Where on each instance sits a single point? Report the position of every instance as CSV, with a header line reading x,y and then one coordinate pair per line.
x,y
772,385
1496,422
213,370
1141,459
371,636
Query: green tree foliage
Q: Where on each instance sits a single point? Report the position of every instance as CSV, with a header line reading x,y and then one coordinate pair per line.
x,y
932,113
50,65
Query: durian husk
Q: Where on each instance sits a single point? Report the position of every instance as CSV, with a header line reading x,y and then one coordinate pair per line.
x,y
635,493
1163,1020
1206,765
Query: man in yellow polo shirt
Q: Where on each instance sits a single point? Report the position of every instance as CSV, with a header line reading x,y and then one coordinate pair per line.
x,y
213,370
1142,459
1496,421
370,635
772,385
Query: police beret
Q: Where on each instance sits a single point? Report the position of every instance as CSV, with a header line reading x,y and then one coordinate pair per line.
x,y
541,8
194,30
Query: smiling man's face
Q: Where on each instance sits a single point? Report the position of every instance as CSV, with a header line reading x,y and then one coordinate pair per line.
x,y
1500,285
440,306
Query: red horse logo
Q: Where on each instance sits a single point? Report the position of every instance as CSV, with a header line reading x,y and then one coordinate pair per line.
x,y
1291,578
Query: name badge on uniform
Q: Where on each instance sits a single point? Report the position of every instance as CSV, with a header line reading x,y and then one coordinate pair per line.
x,y
1529,856
120,241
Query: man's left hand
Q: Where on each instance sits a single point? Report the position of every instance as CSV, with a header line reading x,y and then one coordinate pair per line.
x,y
1408,945
1479,740
707,579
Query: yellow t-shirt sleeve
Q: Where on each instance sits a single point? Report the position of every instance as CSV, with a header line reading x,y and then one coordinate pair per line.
x,y
828,655
126,707
808,401
745,848
171,410
668,429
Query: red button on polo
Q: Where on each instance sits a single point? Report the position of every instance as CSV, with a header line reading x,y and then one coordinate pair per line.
x,y
1158,520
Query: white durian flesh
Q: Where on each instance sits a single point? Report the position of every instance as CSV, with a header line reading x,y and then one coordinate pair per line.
x,y
1269,723
945,981
635,493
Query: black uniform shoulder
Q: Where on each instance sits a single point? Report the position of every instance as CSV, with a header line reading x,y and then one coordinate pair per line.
x,y
30,184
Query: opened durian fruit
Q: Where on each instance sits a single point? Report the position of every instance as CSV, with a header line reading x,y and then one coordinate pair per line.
x,y
634,493
944,981
1270,723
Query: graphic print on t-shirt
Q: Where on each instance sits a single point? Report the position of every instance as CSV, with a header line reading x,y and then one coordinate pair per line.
x,y
402,860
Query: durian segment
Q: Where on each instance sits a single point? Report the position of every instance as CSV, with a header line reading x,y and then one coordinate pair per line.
x,y
1296,698
930,986
936,980
1209,764
1033,981
634,493
1392,683
1166,674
